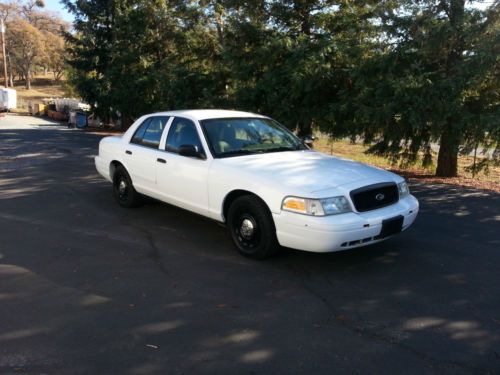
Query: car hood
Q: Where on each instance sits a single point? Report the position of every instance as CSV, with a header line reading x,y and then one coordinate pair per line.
x,y
307,171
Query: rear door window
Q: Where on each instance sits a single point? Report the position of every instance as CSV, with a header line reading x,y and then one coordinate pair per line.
x,y
139,133
149,132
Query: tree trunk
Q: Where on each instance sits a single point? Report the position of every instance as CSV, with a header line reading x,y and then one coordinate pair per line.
x,y
28,81
448,150
447,165
219,24
9,68
126,122
304,128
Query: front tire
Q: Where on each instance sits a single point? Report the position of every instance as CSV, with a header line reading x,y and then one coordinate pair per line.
x,y
252,228
123,190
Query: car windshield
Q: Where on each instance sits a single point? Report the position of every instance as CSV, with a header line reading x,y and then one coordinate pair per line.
x,y
241,136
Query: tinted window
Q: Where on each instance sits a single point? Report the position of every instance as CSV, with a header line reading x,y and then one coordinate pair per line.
x,y
139,133
182,133
150,131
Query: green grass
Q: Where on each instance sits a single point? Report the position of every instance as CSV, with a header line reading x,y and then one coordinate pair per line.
x,y
357,151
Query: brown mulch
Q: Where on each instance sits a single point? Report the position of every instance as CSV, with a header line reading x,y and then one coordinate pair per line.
x,y
456,181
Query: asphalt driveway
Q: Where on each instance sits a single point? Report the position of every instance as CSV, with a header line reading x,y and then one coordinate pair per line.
x,y
87,287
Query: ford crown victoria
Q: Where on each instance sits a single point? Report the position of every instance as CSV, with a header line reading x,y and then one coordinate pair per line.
x,y
257,177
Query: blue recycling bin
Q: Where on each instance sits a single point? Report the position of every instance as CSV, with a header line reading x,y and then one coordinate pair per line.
x,y
81,120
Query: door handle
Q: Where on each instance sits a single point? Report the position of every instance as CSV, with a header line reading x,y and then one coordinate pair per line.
x,y
160,160
128,152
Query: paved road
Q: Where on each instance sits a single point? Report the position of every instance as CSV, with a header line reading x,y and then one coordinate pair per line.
x,y
87,287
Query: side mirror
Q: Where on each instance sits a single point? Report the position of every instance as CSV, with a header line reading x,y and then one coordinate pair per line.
x,y
308,140
191,151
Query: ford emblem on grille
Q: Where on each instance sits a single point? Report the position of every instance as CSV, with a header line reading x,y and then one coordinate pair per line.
x,y
379,196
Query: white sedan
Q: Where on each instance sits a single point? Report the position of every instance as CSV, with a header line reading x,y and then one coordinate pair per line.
x,y
254,175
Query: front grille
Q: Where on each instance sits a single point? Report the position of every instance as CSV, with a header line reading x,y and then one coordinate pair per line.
x,y
375,196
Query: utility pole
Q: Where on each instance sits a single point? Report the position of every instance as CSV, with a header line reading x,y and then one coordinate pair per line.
x,y
2,31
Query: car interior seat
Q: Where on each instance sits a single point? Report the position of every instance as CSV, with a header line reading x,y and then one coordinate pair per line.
x,y
227,139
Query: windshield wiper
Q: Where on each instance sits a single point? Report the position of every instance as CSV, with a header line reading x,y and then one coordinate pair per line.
x,y
282,148
245,151
238,152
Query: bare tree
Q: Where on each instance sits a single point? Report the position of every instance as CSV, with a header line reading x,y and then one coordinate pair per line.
x,y
30,10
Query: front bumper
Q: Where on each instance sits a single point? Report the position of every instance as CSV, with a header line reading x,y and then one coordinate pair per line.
x,y
340,232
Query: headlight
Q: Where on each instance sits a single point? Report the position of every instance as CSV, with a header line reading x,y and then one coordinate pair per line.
x,y
403,189
316,207
335,205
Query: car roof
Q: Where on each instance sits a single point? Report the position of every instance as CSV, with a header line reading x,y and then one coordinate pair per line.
x,y
204,114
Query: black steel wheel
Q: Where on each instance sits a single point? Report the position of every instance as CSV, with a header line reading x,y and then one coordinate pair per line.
x,y
252,228
123,190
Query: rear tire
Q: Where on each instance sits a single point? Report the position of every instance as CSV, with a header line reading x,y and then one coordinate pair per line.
x,y
252,227
123,190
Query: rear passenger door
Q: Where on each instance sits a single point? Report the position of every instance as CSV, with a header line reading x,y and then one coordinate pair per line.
x,y
142,151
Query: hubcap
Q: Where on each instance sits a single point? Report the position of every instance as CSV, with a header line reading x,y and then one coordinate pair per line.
x,y
247,229
122,188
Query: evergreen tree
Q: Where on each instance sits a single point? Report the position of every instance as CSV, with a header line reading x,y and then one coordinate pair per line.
x,y
433,78
90,51
403,75
133,57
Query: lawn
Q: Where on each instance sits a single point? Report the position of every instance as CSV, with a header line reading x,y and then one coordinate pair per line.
x,y
41,87
346,149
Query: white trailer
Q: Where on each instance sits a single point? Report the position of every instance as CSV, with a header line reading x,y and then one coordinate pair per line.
x,y
8,99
